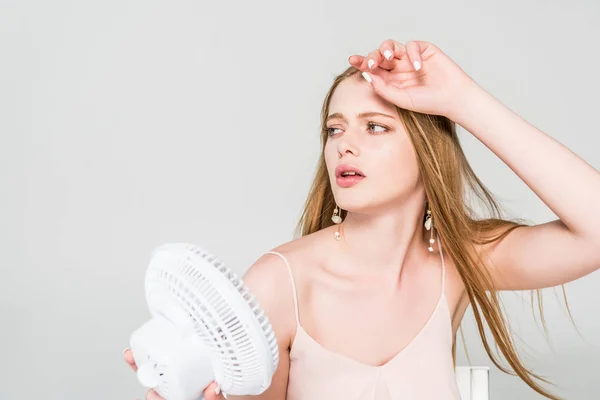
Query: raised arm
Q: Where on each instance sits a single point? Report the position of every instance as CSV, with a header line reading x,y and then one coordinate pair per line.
x,y
548,254
420,77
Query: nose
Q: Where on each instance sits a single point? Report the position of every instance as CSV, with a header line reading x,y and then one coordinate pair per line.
x,y
346,145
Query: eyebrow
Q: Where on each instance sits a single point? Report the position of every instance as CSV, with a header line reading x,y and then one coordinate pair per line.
x,y
361,115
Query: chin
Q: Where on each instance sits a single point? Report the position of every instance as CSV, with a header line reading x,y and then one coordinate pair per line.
x,y
357,201
367,200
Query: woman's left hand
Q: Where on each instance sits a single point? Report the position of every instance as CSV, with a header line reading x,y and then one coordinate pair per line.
x,y
417,77
211,392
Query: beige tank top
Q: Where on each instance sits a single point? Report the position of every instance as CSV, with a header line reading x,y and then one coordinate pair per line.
x,y
423,369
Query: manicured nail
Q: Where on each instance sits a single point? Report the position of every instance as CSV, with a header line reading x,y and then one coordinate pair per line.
x,y
125,351
350,56
387,54
367,77
371,63
417,65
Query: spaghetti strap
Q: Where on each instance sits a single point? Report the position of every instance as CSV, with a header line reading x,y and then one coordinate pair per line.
x,y
292,281
443,265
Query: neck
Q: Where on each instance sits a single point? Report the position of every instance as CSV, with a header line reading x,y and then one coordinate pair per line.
x,y
386,240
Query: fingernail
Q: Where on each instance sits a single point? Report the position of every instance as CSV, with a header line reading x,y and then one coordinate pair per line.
x,y
125,351
367,77
218,389
349,57
417,65
387,54
371,63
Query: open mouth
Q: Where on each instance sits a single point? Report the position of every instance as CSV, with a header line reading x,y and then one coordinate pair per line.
x,y
348,175
351,173
347,179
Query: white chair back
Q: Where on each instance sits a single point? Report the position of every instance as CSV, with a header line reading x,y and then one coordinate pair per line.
x,y
473,382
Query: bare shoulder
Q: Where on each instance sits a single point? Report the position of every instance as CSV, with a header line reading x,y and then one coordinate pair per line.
x,y
270,268
264,278
268,278
304,254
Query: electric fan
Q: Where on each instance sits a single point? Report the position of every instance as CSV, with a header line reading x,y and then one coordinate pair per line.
x,y
206,326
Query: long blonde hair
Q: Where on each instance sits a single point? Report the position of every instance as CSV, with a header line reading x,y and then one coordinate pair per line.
x,y
446,174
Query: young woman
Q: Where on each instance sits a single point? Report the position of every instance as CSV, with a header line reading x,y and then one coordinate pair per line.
x,y
366,303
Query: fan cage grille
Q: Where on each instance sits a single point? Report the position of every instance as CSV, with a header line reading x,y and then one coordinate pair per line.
x,y
214,321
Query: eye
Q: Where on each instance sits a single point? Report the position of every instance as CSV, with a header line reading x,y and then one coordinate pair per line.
x,y
385,129
329,133
369,125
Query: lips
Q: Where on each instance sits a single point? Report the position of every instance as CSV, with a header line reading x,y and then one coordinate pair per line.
x,y
342,170
347,175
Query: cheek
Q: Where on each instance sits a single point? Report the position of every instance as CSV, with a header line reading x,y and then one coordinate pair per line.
x,y
329,154
397,165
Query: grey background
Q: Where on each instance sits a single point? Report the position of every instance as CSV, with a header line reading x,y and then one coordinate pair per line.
x,y
127,124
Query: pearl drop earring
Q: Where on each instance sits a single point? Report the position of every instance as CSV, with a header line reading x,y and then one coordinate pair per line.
x,y
429,227
336,220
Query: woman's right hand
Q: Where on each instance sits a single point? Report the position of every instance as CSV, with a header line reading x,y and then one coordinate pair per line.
x,y
209,392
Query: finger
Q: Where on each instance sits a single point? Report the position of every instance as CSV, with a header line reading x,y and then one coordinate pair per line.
x,y
152,395
387,57
393,53
368,63
373,61
392,49
395,64
414,54
128,356
392,93
213,392
385,74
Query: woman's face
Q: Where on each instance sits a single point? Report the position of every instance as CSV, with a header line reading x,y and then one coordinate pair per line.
x,y
376,145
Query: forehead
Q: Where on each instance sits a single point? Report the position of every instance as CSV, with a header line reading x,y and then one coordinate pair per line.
x,y
354,95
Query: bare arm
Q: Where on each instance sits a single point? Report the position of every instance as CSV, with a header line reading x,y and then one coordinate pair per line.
x,y
552,253
422,78
268,280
